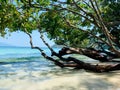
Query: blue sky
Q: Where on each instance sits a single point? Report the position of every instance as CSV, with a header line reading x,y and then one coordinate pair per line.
x,y
22,39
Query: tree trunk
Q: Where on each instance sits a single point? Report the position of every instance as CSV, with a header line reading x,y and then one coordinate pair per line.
x,y
102,56
93,68
75,63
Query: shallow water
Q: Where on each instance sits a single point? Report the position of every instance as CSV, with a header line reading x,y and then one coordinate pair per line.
x,y
26,69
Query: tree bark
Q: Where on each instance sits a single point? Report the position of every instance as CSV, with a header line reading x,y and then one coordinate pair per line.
x,y
102,56
93,68
73,62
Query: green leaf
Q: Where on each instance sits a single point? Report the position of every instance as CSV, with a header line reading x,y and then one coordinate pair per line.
x,y
69,1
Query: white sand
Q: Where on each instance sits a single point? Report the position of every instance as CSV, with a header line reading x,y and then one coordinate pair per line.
x,y
80,80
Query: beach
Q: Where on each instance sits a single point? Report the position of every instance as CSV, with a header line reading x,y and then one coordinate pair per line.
x,y
24,68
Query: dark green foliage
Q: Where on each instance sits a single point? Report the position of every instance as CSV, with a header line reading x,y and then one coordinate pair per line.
x,y
69,1
29,15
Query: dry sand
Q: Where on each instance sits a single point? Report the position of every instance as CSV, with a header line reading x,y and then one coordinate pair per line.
x,y
80,80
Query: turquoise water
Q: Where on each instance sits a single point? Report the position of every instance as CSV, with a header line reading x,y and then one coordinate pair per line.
x,y
19,53
15,52
13,59
24,68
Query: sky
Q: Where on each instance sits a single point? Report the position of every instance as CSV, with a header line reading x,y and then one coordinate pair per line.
x,y
22,39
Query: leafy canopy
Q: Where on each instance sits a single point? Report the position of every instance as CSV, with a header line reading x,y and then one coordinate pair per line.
x,y
74,23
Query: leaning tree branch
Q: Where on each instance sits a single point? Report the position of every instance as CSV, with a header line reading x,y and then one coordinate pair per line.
x,y
56,62
104,28
103,56
95,68
58,54
78,7
87,4
94,8
88,14
74,12
53,53
116,51
99,12
77,63
71,25
42,38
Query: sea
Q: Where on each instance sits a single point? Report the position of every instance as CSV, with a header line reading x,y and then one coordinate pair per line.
x,y
25,68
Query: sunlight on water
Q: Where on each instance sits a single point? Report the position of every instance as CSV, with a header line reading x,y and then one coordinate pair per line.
x,y
33,72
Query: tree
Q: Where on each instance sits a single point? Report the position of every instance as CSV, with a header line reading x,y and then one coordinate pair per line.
x,y
85,25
